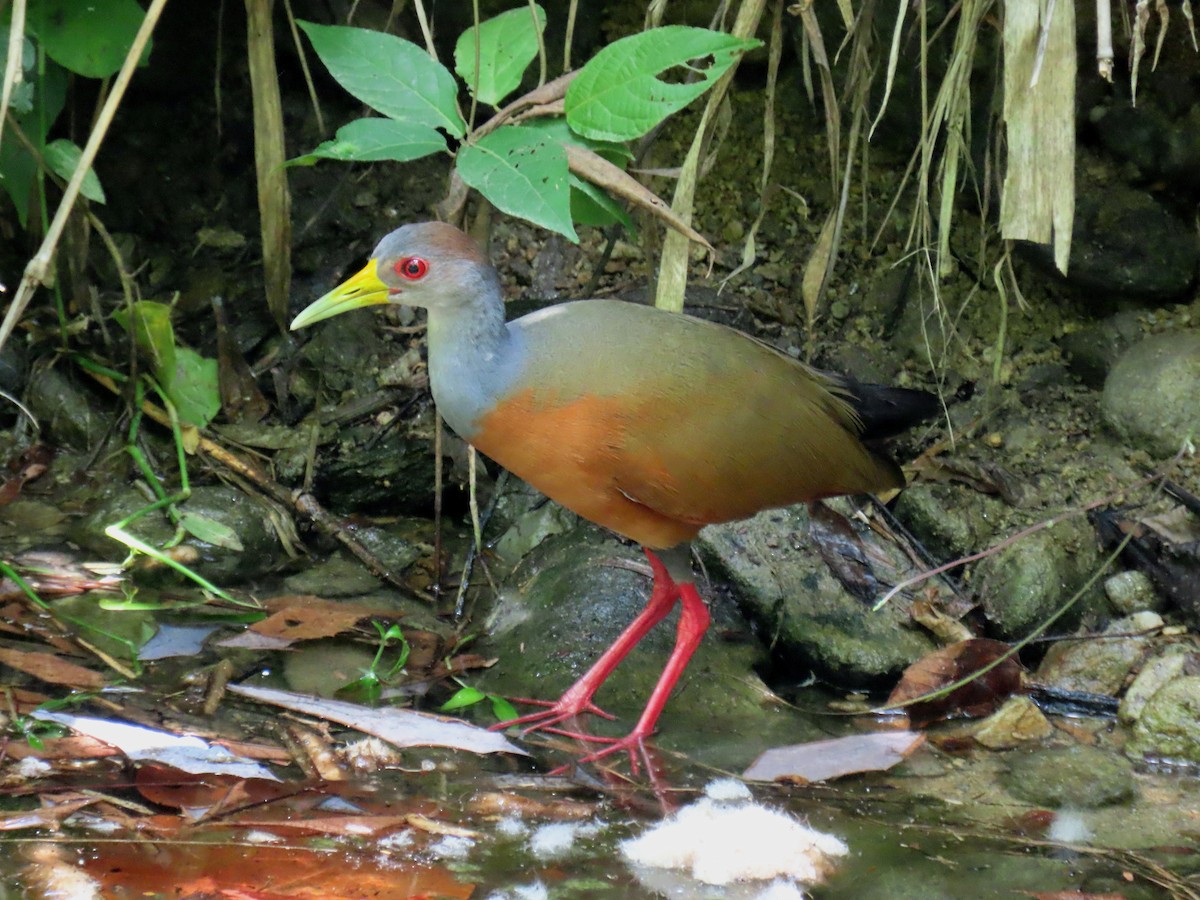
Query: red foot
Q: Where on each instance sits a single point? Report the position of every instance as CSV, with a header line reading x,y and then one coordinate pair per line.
x,y
635,740
578,698
556,711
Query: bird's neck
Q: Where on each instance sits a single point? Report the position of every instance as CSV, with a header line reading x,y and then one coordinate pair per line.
x,y
471,353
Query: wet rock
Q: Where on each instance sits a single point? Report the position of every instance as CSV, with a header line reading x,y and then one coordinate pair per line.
x,y
1131,591
793,596
532,526
244,516
322,668
566,602
1150,395
1156,673
339,576
70,413
1014,724
1078,776
951,520
1168,729
1099,666
1028,581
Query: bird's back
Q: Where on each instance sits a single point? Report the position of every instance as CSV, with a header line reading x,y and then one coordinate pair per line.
x,y
655,424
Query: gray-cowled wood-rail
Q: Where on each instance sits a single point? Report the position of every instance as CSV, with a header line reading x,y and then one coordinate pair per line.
x,y
650,423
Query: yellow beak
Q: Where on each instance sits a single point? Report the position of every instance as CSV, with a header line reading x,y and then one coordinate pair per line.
x,y
363,289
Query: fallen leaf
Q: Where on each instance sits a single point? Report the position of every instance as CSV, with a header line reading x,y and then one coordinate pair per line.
x,y
42,817
236,870
935,671
51,668
402,727
304,617
184,752
826,760
175,789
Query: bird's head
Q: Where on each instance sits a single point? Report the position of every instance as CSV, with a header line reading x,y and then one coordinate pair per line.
x,y
429,264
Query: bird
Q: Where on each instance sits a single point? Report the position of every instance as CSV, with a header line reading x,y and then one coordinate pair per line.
x,y
650,423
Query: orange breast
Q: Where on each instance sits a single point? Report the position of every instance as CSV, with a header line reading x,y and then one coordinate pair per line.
x,y
573,452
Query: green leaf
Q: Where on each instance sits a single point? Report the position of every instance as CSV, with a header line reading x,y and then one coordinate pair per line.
x,y
502,709
508,43
389,74
524,174
63,157
21,100
89,38
467,696
18,169
152,332
619,95
555,128
372,140
195,390
210,531
591,205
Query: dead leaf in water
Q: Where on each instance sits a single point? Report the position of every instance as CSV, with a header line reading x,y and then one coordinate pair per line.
x,y
826,760
949,665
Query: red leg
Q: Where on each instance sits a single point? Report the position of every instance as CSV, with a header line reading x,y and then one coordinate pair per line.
x,y
578,697
693,622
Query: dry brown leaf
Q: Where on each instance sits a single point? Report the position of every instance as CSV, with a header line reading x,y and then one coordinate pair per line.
x,y
944,667
53,669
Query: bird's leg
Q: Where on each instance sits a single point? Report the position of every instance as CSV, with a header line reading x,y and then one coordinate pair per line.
x,y
577,698
693,622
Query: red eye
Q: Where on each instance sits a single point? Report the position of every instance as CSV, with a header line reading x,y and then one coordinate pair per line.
x,y
412,268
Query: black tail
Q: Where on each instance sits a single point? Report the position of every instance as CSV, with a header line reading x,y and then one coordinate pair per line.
x,y
886,411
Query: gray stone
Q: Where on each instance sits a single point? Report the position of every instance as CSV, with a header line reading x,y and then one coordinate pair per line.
x,y
248,518
1168,730
69,413
812,620
1098,666
1028,581
1156,673
1093,350
1150,397
1131,591
952,520
1077,777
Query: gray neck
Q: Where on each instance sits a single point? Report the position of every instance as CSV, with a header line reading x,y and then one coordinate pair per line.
x,y
472,354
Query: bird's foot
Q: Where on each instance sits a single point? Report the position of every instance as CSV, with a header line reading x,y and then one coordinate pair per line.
x,y
634,741
555,712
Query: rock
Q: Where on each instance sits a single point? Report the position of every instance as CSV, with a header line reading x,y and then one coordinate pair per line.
x,y
814,622
244,516
1168,730
1093,350
1150,395
950,519
1155,674
322,668
1014,724
69,412
338,576
1078,777
1125,244
1131,591
1099,666
1028,581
